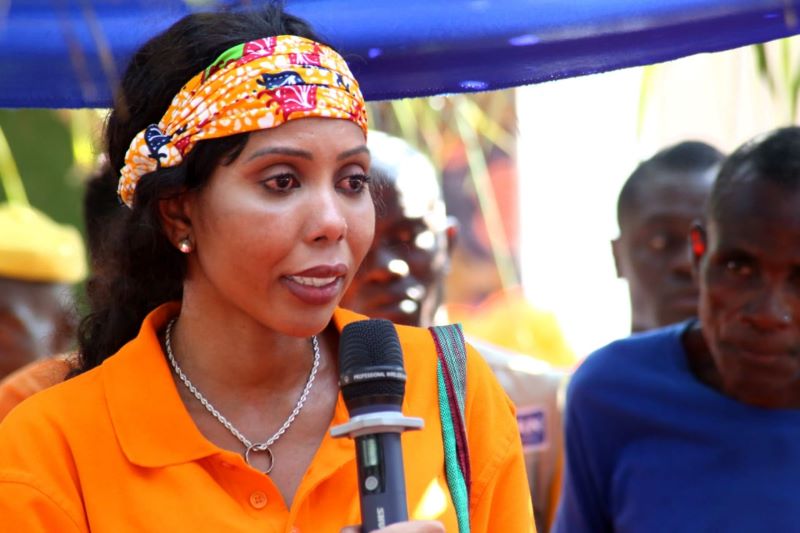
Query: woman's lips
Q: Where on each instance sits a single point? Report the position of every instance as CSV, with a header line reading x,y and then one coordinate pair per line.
x,y
313,294
312,282
318,285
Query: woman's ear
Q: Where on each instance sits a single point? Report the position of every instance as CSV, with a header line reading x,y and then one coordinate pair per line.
x,y
175,213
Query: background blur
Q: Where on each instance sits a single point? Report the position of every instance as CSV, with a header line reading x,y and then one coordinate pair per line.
x,y
531,174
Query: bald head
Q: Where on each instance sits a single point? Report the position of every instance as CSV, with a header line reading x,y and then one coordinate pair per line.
x,y
402,277
36,320
39,261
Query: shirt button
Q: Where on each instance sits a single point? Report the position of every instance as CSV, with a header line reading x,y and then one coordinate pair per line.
x,y
258,500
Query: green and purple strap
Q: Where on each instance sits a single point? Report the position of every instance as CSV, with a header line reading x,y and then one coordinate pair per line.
x,y
451,373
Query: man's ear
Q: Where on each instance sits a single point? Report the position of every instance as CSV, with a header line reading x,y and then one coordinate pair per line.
x,y
616,252
698,245
451,233
175,213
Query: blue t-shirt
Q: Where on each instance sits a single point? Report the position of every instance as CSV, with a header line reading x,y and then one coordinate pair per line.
x,y
652,449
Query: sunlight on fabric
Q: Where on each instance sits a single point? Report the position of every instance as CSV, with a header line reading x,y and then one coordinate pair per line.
x,y
433,503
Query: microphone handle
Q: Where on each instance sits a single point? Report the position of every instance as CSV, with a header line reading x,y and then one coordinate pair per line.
x,y
381,480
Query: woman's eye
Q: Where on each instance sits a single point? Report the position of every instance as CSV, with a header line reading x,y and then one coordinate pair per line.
x,y
281,183
355,183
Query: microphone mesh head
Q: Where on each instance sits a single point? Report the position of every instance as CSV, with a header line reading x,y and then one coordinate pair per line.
x,y
371,364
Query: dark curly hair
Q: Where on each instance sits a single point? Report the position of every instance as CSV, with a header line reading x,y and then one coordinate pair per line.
x,y
685,159
147,269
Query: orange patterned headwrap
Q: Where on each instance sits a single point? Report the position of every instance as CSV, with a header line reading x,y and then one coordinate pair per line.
x,y
252,86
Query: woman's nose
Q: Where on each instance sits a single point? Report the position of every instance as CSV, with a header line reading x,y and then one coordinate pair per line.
x,y
328,221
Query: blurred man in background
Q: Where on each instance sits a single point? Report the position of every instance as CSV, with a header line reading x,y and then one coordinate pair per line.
x,y
402,279
694,427
655,210
101,210
40,260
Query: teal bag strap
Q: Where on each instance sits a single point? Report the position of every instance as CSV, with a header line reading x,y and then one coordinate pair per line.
x,y
451,375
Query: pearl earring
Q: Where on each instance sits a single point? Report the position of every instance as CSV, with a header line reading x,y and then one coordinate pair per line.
x,y
185,245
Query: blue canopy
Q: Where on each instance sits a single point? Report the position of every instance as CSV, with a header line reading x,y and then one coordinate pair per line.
x,y
70,53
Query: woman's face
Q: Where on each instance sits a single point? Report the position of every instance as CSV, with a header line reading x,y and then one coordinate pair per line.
x,y
279,233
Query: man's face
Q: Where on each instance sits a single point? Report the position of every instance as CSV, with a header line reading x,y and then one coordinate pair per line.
x,y
33,322
652,251
402,276
749,281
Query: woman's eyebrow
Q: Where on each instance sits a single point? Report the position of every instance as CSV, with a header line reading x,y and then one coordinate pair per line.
x,y
294,152
282,150
353,151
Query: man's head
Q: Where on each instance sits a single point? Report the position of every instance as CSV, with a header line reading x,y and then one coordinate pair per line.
x,y
402,277
39,260
747,262
656,207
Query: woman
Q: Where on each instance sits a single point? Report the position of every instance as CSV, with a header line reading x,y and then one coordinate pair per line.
x,y
241,141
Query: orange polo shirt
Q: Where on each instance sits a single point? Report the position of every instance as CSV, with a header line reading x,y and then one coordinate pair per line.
x,y
115,450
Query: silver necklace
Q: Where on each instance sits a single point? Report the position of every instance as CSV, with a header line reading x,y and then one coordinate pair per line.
x,y
250,447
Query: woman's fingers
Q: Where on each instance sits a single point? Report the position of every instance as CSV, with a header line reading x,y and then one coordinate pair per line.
x,y
417,526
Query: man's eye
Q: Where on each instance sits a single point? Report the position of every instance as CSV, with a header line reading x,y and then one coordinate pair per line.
x,y
281,183
657,243
739,267
405,236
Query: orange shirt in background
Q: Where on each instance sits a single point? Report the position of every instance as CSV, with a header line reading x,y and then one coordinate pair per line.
x,y
115,450
31,379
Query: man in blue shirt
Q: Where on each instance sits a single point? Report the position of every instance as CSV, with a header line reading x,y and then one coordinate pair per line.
x,y
696,426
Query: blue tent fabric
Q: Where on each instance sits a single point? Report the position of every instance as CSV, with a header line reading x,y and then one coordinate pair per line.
x,y
70,53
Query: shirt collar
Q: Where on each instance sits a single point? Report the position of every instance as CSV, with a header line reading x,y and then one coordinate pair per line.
x,y
152,424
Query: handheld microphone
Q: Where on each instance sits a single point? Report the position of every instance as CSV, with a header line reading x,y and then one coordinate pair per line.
x,y
373,382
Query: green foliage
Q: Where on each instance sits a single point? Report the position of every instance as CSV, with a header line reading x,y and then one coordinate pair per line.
x,y
778,65
476,123
41,145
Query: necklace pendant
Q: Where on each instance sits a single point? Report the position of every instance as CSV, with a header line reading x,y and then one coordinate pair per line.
x,y
249,448
259,447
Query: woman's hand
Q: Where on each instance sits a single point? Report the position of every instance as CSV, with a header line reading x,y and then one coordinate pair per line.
x,y
417,526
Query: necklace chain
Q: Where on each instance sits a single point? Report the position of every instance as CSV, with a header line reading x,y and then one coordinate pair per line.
x,y
249,446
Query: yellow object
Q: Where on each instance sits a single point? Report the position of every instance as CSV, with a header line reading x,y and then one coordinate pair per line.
x,y
508,320
35,248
